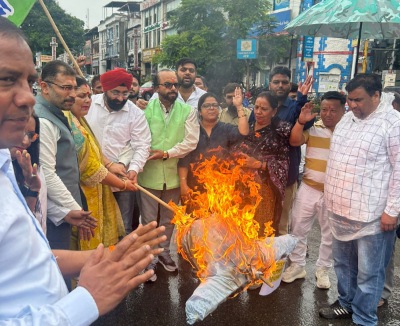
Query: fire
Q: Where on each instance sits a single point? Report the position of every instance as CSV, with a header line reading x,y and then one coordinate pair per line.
x,y
221,228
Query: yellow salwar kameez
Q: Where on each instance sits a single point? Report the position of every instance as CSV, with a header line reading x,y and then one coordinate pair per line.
x,y
100,199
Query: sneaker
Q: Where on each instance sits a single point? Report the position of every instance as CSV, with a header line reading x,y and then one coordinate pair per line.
x,y
335,311
322,276
153,266
168,263
293,272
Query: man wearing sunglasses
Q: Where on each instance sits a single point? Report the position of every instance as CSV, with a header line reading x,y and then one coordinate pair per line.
x,y
123,134
58,156
188,92
174,133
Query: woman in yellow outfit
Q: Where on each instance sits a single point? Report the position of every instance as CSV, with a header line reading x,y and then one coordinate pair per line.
x,y
95,178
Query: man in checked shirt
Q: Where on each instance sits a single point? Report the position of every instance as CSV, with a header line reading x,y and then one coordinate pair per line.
x,y
362,194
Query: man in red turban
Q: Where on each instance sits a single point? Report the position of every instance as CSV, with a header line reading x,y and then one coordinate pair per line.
x,y
123,134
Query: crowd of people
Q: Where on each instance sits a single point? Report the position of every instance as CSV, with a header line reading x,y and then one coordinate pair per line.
x,y
72,160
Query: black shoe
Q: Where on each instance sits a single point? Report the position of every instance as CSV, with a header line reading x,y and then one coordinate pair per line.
x,y
335,311
382,302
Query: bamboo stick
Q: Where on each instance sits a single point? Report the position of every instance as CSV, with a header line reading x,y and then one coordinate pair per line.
x,y
53,24
148,193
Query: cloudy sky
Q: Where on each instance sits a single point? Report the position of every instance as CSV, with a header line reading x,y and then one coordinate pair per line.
x,y
78,8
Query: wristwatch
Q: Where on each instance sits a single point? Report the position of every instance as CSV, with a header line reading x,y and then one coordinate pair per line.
x,y
165,156
26,192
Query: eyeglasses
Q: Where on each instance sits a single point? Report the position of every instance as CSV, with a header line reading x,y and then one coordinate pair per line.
x,y
135,84
169,85
283,82
184,69
65,88
32,136
229,97
118,94
208,106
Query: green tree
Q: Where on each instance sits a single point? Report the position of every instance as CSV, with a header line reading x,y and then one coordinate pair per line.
x,y
207,31
39,30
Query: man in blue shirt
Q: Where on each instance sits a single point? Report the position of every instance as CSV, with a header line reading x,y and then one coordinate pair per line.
x,y
288,110
31,275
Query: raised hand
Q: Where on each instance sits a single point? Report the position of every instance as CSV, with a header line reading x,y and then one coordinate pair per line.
x,y
305,87
305,114
32,180
238,98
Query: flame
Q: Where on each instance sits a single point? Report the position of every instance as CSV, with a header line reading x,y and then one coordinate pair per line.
x,y
225,210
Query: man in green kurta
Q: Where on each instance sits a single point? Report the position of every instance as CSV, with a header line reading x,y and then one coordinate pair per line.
x,y
175,132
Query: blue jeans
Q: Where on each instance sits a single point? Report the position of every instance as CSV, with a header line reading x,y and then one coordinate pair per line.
x,y
360,269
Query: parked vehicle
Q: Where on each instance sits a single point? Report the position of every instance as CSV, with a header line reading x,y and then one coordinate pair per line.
x,y
146,91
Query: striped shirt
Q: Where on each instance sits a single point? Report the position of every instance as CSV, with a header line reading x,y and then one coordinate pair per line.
x,y
318,140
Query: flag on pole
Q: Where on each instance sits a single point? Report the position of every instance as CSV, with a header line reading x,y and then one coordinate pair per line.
x,y
16,10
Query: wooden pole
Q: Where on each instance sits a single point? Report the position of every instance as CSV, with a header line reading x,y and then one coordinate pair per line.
x,y
53,24
148,193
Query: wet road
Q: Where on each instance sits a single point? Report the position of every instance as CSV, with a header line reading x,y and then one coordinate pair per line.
x,y
296,304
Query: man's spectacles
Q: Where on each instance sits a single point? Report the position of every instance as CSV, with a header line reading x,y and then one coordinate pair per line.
x,y
229,97
32,136
65,88
210,105
169,85
118,94
283,82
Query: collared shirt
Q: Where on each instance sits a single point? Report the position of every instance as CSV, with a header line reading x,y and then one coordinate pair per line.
x,y
33,291
124,136
193,99
318,139
227,116
49,136
363,172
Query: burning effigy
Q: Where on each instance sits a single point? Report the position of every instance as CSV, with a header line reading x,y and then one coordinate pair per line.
x,y
219,238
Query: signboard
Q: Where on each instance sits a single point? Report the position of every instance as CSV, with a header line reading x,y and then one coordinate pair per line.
x,y
281,4
308,48
148,54
389,78
46,58
282,19
246,48
328,82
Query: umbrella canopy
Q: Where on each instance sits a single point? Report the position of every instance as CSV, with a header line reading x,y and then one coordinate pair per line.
x,y
351,19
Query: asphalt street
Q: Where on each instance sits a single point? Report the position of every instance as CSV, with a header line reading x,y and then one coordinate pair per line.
x,y
296,304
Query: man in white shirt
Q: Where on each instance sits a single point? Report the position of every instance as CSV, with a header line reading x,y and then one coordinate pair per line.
x,y
123,134
362,196
32,288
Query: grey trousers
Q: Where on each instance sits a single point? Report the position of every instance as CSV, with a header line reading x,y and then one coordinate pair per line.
x,y
126,203
152,211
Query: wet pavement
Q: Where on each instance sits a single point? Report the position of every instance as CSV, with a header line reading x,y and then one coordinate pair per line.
x,y
296,304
